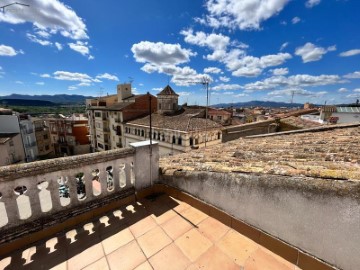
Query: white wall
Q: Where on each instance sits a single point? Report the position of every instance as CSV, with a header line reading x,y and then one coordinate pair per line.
x,y
9,124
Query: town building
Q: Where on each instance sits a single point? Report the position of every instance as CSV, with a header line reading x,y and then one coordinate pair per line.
x,y
220,116
11,144
176,129
43,139
28,137
107,116
69,135
340,114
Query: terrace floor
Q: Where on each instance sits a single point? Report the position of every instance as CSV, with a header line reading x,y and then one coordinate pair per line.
x,y
154,233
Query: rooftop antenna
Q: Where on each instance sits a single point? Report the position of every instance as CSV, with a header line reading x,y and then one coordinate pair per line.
x,y
292,96
15,3
131,79
101,91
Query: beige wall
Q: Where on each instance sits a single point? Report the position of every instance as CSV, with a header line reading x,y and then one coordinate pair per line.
x,y
12,151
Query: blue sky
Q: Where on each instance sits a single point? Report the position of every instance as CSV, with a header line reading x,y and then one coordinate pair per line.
x,y
247,49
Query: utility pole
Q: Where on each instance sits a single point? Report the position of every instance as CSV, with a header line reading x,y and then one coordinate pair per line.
x,y
205,82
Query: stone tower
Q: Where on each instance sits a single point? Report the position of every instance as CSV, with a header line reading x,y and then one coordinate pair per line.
x,y
167,101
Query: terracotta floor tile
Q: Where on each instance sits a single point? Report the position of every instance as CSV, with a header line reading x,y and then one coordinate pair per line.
x,y
86,257
176,227
153,241
278,258
126,257
98,265
182,206
163,217
117,240
170,257
193,267
194,215
215,259
144,266
213,229
5,262
61,266
237,246
193,244
142,226
260,260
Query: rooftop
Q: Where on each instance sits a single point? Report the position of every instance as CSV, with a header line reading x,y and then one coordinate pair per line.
x,y
299,122
328,152
156,233
167,91
186,120
4,137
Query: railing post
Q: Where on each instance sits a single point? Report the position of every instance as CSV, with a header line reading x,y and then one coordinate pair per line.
x,y
146,164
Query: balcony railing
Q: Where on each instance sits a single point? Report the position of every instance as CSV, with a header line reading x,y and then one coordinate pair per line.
x,y
36,192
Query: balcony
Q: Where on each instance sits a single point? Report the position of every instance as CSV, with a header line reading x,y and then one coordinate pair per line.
x,y
29,145
227,207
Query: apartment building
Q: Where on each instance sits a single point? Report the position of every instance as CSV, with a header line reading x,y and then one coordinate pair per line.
x,y
11,144
28,137
176,129
107,116
69,135
43,139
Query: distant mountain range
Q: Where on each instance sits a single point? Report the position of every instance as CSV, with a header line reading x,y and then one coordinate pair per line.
x,y
59,99
259,103
26,102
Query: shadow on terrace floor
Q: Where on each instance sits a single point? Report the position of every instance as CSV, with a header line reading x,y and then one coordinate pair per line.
x,y
59,249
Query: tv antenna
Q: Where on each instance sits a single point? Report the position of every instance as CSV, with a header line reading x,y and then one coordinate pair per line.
x,y
15,3
292,96
131,79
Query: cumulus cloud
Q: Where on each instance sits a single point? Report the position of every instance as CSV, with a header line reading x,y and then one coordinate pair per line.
x,y
213,70
280,71
82,48
34,39
250,66
350,53
342,90
357,90
157,89
309,52
295,20
45,75
58,45
216,42
283,46
72,87
226,87
48,16
295,81
312,3
159,53
224,79
295,91
83,78
9,51
107,76
354,75
245,15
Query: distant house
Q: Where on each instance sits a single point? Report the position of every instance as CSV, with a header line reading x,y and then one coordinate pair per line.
x,y
220,116
340,115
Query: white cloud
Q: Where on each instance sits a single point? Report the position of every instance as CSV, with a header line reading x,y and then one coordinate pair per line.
x,y
353,95
250,66
51,16
157,89
84,84
309,52
357,90
182,94
72,76
226,87
354,75
298,92
342,90
224,79
295,20
19,82
241,95
107,76
40,83
213,70
280,71
45,75
245,15
58,45
284,45
228,93
8,51
72,87
82,48
160,53
350,53
35,39
295,81
312,3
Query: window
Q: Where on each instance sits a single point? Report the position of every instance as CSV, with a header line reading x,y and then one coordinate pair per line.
x,y
154,136
159,106
219,117
100,145
142,133
46,136
97,114
163,137
11,143
191,141
179,140
219,135
47,147
173,139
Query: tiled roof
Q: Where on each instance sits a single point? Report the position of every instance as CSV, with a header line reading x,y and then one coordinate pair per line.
x,y
299,122
184,121
167,91
117,106
325,152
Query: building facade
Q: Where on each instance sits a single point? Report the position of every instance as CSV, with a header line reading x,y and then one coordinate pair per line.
x,y
177,130
107,116
28,136
43,139
70,135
